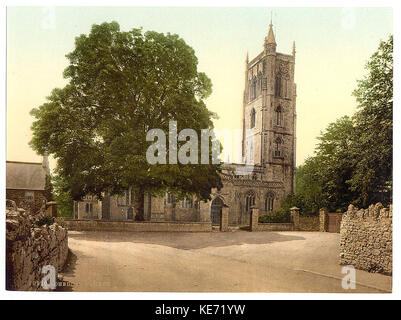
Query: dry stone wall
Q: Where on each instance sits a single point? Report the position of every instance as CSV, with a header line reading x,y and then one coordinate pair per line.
x,y
366,238
275,227
33,205
29,248
137,226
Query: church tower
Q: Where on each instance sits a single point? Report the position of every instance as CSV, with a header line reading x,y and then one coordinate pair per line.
x,y
269,113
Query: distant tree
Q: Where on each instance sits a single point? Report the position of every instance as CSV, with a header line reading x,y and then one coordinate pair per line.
x,y
49,188
309,186
121,84
296,200
372,156
322,180
333,155
62,196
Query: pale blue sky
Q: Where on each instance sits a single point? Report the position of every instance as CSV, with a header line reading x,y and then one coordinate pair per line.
x,y
333,45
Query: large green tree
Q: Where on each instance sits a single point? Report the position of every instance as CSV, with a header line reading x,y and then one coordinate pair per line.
x,y
322,181
122,84
335,167
309,196
353,159
372,156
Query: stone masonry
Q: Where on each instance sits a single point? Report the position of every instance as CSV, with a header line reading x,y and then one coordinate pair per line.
x,y
29,248
265,172
366,238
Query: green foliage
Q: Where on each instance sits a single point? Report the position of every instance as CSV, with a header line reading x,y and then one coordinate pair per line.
x,y
353,160
322,180
372,156
121,84
335,167
299,201
48,188
279,216
62,196
308,187
44,220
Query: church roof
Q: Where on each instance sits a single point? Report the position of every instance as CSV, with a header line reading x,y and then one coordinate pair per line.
x,y
25,175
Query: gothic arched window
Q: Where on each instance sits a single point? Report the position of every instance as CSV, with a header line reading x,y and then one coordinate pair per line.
x,y
259,82
278,116
253,118
249,202
186,203
278,147
278,86
254,81
269,201
88,208
170,197
285,89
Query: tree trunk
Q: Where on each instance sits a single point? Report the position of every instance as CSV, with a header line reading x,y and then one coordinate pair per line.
x,y
139,201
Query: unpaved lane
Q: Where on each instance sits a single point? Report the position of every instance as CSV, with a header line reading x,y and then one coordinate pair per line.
x,y
211,262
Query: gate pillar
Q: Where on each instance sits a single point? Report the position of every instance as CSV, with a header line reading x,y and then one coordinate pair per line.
x,y
224,218
253,226
323,219
295,217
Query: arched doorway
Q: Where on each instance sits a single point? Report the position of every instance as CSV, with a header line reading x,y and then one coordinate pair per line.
x,y
215,211
130,213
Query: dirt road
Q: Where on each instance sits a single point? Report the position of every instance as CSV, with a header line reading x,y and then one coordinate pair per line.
x,y
211,262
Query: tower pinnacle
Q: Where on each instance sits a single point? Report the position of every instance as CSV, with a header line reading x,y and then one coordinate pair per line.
x,y
270,41
270,35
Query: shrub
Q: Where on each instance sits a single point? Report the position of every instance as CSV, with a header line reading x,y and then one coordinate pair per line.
x,y
42,220
280,216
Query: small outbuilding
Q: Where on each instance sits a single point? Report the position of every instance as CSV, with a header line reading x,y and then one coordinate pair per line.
x,y
26,184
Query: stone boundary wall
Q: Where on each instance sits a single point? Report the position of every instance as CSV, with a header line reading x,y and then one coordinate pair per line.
x,y
29,248
34,206
275,227
138,226
298,222
309,223
366,238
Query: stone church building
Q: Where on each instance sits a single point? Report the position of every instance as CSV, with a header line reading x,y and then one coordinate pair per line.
x,y
268,144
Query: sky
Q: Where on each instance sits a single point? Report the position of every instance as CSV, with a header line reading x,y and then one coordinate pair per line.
x,y
332,44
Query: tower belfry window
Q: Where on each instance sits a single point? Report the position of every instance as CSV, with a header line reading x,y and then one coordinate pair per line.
x,y
278,116
278,86
260,78
253,118
254,82
278,148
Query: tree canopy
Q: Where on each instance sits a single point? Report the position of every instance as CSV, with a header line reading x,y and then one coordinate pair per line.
x,y
354,157
372,156
121,85
323,179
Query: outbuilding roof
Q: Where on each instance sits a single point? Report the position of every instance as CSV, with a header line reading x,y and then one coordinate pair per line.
x,y
26,175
